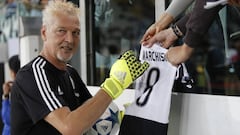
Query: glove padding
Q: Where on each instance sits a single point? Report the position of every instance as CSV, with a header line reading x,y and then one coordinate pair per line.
x,y
123,72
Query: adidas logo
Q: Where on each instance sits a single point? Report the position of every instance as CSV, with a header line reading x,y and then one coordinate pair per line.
x,y
120,76
60,92
105,128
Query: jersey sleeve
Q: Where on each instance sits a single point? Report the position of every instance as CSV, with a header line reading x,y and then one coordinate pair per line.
x,y
195,28
176,7
33,100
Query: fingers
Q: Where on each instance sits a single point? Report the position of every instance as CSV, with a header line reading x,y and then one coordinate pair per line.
x,y
161,37
138,68
234,2
158,29
158,38
10,82
127,54
148,34
150,42
166,44
146,37
131,60
135,66
134,69
162,43
170,59
143,68
179,54
7,87
151,32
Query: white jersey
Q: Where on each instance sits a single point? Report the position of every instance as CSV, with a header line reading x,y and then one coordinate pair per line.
x,y
154,87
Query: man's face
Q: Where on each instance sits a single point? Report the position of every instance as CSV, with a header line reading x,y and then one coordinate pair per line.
x,y
61,37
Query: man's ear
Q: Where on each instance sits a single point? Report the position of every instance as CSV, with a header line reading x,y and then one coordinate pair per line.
x,y
43,33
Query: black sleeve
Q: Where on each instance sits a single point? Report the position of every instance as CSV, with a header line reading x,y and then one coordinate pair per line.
x,y
199,23
181,23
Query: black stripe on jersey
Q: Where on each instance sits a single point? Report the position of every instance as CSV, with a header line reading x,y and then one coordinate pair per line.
x,y
43,85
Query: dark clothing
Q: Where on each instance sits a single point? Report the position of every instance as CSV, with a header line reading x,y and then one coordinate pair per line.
x,y
139,126
39,89
196,24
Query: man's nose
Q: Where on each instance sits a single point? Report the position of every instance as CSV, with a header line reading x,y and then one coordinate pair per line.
x,y
69,37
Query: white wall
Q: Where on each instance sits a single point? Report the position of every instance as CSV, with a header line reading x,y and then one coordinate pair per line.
x,y
199,114
126,97
196,114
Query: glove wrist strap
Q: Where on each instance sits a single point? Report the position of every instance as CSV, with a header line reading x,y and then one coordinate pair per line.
x,y
112,87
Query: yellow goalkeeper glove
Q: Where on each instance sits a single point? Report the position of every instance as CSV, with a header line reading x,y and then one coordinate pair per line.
x,y
123,72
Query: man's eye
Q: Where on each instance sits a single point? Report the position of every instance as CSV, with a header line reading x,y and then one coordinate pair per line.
x,y
76,33
61,31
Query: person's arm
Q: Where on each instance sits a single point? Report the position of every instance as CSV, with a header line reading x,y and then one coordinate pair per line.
x,y
5,112
175,8
123,72
165,37
164,20
234,2
197,25
181,23
179,54
78,121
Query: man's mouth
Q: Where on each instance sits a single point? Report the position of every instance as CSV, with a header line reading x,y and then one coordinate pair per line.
x,y
67,48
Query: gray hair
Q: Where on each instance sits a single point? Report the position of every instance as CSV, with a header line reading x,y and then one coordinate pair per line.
x,y
58,7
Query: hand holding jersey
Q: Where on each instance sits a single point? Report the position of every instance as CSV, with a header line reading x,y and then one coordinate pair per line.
x,y
173,11
179,54
123,72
